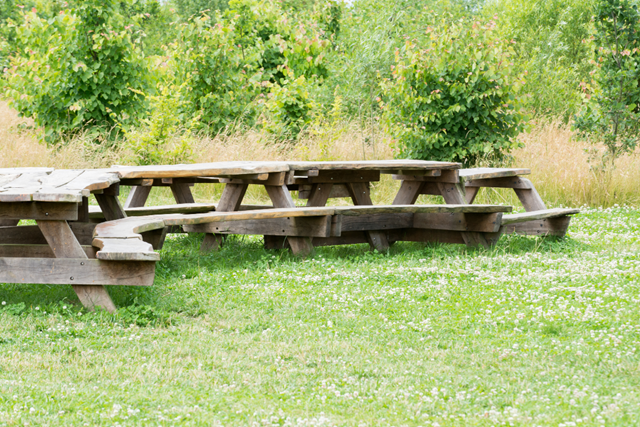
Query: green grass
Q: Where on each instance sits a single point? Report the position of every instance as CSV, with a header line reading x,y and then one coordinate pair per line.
x,y
537,332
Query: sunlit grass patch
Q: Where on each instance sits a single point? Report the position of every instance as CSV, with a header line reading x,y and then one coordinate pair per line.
x,y
534,332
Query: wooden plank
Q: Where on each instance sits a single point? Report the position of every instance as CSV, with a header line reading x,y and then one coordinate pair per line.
x,y
281,198
537,215
376,222
408,192
32,179
454,194
337,191
82,272
64,244
319,194
482,173
339,177
230,200
200,170
155,238
9,222
39,210
7,178
110,206
137,197
360,194
379,165
470,194
480,222
182,193
448,176
278,178
530,198
31,234
305,227
129,228
124,250
246,215
93,180
211,242
379,209
427,236
186,208
38,251
509,182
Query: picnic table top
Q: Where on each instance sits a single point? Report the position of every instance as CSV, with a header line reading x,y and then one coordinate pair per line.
x,y
381,165
70,185
486,173
200,170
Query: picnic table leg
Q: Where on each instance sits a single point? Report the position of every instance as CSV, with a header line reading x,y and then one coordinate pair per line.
x,y
182,193
360,194
319,194
281,198
64,244
453,195
408,193
137,196
530,199
109,203
471,193
230,201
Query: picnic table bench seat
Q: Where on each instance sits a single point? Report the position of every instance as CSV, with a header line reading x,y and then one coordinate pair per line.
x,y
127,239
537,220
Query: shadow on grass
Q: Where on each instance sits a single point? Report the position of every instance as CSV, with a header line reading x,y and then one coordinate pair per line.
x,y
178,284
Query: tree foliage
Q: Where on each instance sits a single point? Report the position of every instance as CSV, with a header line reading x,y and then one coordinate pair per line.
x,y
612,112
84,66
453,96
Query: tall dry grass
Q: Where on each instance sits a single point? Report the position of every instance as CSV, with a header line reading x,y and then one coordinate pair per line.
x,y
562,173
560,167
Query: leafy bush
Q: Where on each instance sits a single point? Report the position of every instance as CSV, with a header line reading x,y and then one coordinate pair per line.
x,y
83,67
161,138
611,114
288,108
453,97
221,80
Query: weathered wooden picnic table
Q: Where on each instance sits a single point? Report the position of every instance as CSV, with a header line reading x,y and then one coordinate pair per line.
x,y
65,247
59,250
316,182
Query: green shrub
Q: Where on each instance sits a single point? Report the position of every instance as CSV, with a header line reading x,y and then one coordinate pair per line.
x,y
83,67
221,79
453,97
611,114
288,108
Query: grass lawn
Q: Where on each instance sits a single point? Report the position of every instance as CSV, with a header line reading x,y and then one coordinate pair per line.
x,y
534,332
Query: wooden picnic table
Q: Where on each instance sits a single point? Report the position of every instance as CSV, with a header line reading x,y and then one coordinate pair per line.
x,y
314,181
65,247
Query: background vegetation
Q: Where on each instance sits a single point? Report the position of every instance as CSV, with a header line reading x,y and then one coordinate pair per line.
x,y
433,79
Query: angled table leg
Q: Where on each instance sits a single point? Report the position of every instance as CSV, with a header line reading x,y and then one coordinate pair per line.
x,y
109,203
360,194
281,198
408,193
529,197
230,201
182,193
137,196
65,245
453,195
